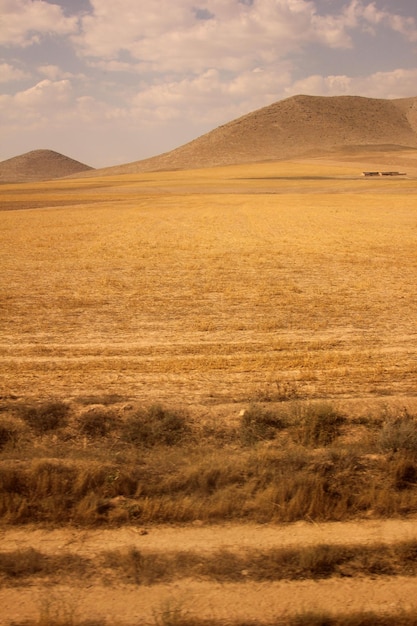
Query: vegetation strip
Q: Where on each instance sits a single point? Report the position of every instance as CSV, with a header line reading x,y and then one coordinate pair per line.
x,y
174,618
281,463
131,566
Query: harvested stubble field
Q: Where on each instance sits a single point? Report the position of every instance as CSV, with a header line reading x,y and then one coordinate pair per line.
x,y
217,368
213,285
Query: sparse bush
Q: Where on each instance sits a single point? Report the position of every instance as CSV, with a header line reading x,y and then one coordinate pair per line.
x,y
405,473
30,562
148,478
97,423
44,417
5,435
280,391
22,563
399,434
313,618
55,491
155,426
318,424
104,399
172,614
259,424
140,569
10,431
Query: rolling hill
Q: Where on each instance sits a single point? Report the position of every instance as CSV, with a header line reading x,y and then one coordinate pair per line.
x,y
39,165
344,127
295,127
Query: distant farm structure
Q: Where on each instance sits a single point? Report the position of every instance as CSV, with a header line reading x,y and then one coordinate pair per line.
x,y
368,174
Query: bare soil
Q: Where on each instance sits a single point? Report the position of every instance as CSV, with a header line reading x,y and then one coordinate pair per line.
x,y
205,599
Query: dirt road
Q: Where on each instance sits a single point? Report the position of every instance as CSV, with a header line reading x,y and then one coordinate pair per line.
x,y
248,600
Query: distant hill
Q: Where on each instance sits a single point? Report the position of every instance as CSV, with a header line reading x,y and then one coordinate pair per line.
x,y
39,165
294,127
348,127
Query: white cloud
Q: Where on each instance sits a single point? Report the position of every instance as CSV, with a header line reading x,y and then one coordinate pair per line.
x,y
89,109
406,26
208,61
50,71
54,72
113,66
10,73
54,104
44,105
45,93
168,37
400,83
163,36
25,21
208,98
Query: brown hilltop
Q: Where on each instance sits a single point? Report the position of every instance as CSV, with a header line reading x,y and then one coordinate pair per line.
x,y
294,127
346,127
39,165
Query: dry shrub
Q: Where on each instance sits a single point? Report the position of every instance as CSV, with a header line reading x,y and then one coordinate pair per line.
x,y
317,424
162,474
202,477
97,423
130,565
224,565
315,562
167,485
30,562
312,618
407,553
66,620
399,434
22,563
156,426
304,497
280,391
321,561
259,424
56,491
104,399
11,430
172,614
44,417
405,473
133,566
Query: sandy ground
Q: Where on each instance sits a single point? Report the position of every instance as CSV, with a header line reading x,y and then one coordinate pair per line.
x,y
233,537
257,601
260,602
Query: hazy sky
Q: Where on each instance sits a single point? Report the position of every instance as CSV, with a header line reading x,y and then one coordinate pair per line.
x,y
112,81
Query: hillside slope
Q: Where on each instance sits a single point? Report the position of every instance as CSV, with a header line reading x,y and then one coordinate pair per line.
x,y
300,125
39,165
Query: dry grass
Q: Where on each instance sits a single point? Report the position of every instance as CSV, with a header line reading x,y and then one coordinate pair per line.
x,y
176,617
131,566
132,464
221,284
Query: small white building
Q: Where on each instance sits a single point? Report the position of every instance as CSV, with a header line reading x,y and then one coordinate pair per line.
x,y
383,173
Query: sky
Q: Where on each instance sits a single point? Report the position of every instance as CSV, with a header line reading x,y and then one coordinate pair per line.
x,y
113,81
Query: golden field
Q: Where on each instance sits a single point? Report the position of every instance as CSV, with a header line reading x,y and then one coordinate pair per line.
x,y
208,398
215,285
